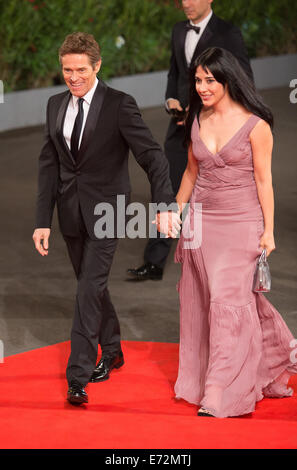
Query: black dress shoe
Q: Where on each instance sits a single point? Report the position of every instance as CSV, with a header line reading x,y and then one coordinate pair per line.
x,y
76,394
147,271
105,366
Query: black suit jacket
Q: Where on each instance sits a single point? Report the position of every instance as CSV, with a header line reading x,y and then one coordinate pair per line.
x,y
218,33
113,126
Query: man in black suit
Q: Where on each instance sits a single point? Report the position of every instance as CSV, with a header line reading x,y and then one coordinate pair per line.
x,y
84,162
190,38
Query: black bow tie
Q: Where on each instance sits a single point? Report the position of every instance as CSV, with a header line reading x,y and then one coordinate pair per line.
x,y
195,28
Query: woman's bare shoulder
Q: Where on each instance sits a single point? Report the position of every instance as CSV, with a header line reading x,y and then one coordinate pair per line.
x,y
261,128
261,135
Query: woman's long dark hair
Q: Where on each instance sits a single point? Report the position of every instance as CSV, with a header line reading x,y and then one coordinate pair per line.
x,y
226,70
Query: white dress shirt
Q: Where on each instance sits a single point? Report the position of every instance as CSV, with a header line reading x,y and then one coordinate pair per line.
x,y
192,37
72,111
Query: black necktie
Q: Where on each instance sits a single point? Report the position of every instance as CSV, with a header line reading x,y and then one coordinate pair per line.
x,y
77,128
195,28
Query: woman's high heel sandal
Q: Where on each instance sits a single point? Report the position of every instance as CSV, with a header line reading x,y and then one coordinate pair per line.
x,y
277,390
204,412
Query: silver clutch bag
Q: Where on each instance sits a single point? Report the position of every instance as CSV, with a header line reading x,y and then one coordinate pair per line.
x,y
262,277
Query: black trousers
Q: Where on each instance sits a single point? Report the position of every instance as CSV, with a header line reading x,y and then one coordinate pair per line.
x,y
95,320
158,249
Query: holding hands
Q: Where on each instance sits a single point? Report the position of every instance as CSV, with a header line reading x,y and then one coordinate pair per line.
x,y
168,223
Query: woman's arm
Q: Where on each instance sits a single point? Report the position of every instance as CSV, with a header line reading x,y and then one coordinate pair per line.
x,y
171,227
262,144
188,180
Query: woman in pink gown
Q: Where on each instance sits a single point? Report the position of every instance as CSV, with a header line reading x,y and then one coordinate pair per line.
x,y
234,345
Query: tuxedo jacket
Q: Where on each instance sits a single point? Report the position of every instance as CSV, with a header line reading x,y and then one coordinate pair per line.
x,y
100,172
218,33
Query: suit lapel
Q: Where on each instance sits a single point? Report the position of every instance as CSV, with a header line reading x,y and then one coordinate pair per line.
x,y
93,115
181,43
205,38
60,125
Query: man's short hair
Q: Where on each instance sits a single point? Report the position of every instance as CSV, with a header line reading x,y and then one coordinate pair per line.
x,y
81,43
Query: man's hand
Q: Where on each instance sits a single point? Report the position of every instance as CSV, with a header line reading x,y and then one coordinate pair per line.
x,y
40,237
174,104
168,223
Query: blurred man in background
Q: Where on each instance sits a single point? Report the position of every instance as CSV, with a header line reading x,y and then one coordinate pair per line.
x,y
190,38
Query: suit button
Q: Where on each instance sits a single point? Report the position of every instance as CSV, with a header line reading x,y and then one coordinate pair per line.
x,y
78,172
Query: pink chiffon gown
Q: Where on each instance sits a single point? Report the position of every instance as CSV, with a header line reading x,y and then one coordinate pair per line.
x,y
234,345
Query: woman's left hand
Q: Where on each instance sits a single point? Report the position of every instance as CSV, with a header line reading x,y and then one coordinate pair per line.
x,y
267,241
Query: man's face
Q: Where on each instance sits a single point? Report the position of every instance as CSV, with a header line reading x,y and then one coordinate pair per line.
x,y
196,10
79,75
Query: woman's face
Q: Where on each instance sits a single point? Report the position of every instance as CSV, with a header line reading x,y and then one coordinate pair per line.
x,y
209,90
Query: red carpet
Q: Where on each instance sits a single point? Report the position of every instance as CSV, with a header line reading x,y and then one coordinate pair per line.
x,y
136,408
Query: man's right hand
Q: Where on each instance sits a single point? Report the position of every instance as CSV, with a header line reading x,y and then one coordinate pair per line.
x,y
40,237
174,104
